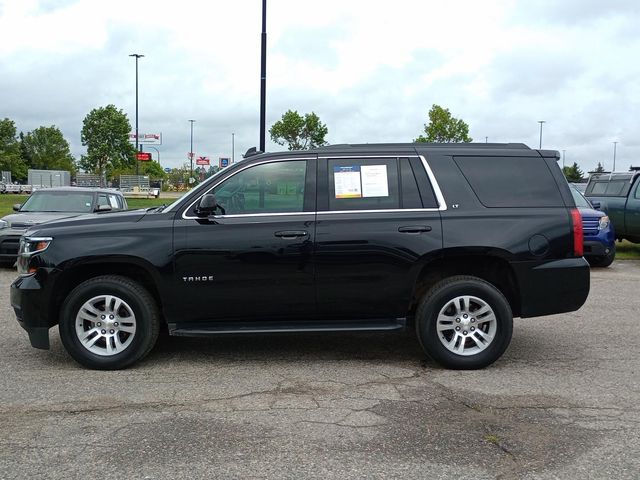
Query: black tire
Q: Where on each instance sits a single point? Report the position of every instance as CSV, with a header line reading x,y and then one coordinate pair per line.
x,y
603,261
137,299
441,296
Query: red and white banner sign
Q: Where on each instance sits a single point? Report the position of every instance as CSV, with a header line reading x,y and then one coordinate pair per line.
x,y
202,161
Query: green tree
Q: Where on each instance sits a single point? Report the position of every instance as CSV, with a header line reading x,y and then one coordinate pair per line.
x,y
599,168
10,157
444,128
298,132
105,133
46,148
573,173
153,169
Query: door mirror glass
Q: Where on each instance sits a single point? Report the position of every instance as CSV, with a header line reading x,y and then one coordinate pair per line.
x,y
103,208
595,204
16,207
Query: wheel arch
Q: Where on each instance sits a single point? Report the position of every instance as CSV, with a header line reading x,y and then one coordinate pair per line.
x,y
133,268
491,267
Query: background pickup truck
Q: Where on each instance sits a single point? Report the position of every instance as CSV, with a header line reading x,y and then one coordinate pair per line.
x,y
619,196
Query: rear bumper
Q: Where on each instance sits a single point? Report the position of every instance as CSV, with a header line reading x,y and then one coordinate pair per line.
x,y
554,287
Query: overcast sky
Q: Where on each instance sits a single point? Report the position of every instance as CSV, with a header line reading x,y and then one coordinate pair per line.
x,y
370,69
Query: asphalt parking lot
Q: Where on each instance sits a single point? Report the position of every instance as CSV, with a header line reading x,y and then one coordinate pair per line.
x,y
564,402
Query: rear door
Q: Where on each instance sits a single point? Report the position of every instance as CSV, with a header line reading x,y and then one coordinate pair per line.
x,y
375,223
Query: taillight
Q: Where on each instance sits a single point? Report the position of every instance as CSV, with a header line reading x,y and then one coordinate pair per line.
x,y
578,239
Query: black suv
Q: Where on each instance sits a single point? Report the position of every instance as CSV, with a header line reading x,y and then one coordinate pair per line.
x,y
451,239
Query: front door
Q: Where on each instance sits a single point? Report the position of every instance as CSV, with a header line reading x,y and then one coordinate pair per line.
x,y
253,260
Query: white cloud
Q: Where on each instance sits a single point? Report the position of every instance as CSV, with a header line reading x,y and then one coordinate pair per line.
x,y
370,69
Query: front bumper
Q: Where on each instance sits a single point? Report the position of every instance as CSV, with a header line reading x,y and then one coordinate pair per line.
x,y
553,287
596,248
30,302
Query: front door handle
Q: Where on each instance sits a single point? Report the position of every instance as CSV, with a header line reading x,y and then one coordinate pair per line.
x,y
414,229
291,234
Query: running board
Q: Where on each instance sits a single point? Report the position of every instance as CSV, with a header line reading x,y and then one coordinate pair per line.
x,y
309,326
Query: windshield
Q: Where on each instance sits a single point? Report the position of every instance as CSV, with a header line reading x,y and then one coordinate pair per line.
x,y
579,199
77,202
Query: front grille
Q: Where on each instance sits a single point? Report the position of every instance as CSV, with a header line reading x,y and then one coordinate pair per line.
x,y
9,246
590,225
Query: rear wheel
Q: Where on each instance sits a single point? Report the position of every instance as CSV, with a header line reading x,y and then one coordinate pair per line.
x,y
109,322
464,323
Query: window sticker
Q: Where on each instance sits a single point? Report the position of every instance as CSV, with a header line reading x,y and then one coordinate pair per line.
x,y
347,182
374,181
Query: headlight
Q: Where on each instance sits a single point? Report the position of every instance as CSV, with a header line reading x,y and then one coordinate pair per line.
x,y
603,223
32,245
3,224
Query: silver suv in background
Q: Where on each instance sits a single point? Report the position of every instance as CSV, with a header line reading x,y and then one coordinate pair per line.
x,y
53,204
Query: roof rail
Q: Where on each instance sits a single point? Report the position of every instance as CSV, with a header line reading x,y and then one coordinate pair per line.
x,y
252,152
519,146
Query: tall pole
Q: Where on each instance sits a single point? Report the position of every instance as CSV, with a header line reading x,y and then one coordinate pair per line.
x,y
615,144
563,159
486,139
191,152
157,151
233,148
138,146
541,122
263,76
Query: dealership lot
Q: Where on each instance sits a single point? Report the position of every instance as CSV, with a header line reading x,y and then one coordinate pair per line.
x,y
561,403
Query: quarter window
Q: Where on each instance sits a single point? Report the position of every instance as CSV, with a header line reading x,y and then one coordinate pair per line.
x,y
276,187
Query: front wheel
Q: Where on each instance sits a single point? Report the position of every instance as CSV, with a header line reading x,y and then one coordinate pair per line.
x,y
109,322
464,323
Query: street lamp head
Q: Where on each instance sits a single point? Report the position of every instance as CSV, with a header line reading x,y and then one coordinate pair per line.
x,y
137,55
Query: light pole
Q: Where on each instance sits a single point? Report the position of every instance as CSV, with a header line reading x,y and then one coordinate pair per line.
x,y
138,146
233,148
191,152
541,122
615,144
157,151
563,159
486,139
263,76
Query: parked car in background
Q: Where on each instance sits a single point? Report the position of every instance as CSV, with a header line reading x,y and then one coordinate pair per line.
x,y
599,236
581,187
618,195
52,204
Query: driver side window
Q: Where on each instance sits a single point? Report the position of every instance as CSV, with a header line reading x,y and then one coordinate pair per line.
x,y
276,187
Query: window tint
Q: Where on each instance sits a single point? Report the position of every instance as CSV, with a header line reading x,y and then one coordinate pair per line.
x,y
637,194
511,181
102,200
268,188
617,188
410,193
363,184
599,188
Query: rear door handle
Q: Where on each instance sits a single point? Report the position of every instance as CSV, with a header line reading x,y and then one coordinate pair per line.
x,y
291,234
414,229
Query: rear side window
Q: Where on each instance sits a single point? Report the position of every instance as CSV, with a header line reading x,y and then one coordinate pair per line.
x,y
363,184
614,188
511,181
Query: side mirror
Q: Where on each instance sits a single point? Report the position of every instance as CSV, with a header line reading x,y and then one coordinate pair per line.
x,y
596,204
17,207
208,205
103,208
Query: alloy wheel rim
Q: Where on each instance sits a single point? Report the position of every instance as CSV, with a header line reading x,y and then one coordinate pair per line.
x,y
105,325
466,325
